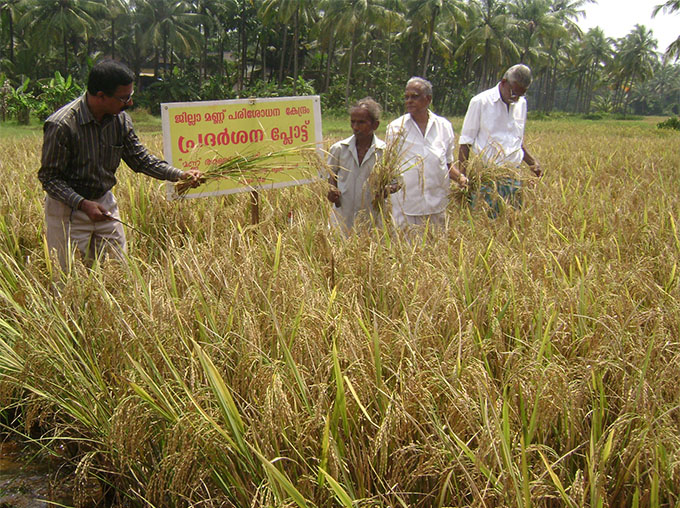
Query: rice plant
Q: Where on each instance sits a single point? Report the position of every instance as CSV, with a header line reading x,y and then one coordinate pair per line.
x,y
526,360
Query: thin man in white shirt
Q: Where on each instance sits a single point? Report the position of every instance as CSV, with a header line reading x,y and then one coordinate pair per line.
x,y
351,161
494,123
426,158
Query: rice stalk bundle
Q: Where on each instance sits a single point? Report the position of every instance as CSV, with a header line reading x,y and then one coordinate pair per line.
x,y
388,170
245,167
485,175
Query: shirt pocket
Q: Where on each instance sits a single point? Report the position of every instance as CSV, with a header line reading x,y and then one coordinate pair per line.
x,y
437,153
345,177
111,155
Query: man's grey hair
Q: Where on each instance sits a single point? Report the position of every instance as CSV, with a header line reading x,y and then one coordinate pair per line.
x,y
519,74
424,84
370,105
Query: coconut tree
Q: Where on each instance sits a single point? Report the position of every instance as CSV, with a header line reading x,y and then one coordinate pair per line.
x,y
10,11
389,23
56,22
425,16
118,11
594,56
168,25
670,6
244,20
567,12
488,43
534,24
542,29
211,12
350,20
287,12
224,14
636,56
658,92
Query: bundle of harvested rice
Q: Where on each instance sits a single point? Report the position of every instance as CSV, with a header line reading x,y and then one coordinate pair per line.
x,y
386,176
245,167
486,177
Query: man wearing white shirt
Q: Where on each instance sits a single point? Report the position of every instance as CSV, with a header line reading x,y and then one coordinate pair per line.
x,y
351,161
493,128
426,156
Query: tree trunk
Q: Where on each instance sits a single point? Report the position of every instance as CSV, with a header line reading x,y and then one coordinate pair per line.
x,y
329,61
296,47
553,88
244,52
165,55
11,37
349,67
65,55
283,54
255,53
428,48
264,60
156,64
223,66
485,68
113,37
566,102
205,52
582,85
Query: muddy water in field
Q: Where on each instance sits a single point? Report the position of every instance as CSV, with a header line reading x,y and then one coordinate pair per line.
x,y
26,482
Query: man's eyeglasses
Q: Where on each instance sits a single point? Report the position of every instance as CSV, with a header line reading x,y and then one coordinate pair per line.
x,y
125,100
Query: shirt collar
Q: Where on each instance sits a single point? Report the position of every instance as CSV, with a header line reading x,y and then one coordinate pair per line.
x,y
429,116
430,119
496,94
85,116
83,112
352,142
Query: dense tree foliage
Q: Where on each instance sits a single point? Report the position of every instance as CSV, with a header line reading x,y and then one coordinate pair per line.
x,y
342,49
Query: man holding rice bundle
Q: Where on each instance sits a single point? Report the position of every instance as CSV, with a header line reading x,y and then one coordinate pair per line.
x,y
426,157
83,144
351,162
493,130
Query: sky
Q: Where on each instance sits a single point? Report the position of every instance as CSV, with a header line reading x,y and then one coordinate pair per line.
x,y
618,17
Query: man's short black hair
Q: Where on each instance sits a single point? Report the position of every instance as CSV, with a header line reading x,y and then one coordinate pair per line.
x,y
108,75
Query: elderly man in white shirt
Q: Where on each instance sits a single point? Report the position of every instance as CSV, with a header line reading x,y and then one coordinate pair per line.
x,y
351,161
493,128
426,155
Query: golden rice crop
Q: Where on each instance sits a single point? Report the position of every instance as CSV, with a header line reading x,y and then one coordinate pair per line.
x,y
529,360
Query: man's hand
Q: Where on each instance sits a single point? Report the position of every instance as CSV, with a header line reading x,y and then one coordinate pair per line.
x,y
536,169
194,176
533,164
458,177
334,196
394,186
94,211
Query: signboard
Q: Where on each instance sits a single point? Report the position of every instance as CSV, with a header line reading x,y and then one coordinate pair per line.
x,y
210,135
